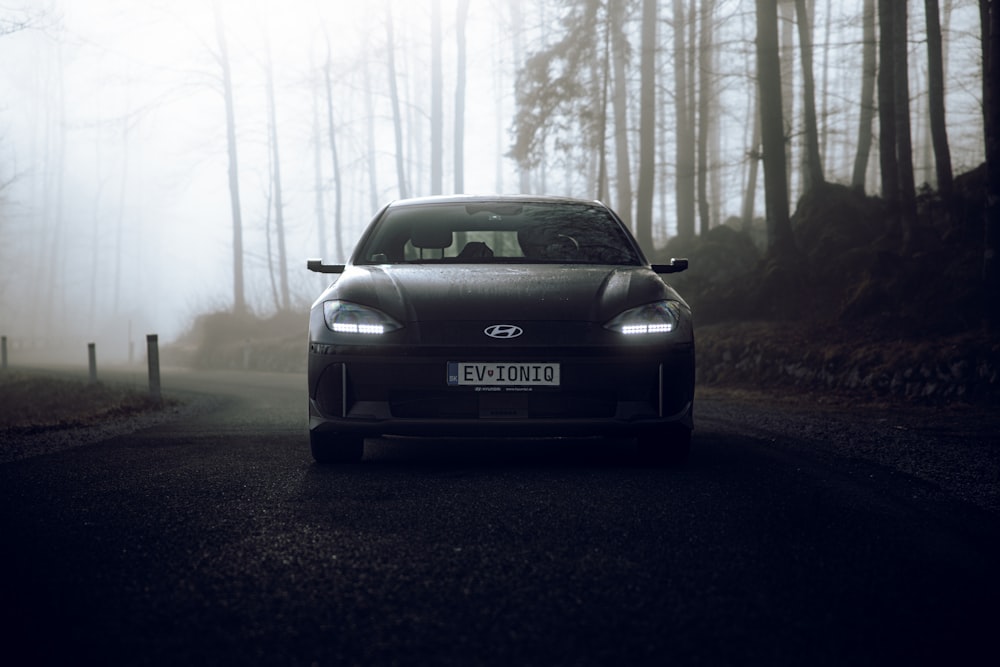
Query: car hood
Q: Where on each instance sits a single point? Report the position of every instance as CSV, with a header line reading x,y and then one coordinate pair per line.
x,y
429,293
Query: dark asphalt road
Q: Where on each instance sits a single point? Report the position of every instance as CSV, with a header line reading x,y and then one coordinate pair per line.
x,y
215,540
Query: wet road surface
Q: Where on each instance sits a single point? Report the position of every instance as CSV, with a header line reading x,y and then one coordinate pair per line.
x,y
215,540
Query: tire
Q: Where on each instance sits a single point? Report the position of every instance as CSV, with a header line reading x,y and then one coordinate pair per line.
x,y
336,447
665,445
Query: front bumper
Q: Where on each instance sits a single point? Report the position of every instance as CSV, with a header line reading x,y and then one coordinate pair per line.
x,y
370,392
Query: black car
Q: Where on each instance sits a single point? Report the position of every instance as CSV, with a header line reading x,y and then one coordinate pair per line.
x,y
499,316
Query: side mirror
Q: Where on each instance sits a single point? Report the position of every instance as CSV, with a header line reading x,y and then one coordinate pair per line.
x,y
318,266
676,265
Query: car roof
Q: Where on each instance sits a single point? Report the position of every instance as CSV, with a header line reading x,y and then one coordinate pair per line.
x,y
506,199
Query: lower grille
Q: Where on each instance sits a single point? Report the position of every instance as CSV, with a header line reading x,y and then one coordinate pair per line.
x,y
501,405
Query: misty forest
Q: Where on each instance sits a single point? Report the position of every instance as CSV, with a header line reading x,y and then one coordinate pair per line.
x,y
820,160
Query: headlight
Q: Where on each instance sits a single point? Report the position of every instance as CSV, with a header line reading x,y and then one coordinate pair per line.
x,y
660,317
346,317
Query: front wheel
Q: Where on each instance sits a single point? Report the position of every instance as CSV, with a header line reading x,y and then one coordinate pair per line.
x,y
665,445
336,447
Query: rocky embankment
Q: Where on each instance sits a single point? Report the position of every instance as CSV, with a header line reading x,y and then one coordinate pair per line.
x,y
962,368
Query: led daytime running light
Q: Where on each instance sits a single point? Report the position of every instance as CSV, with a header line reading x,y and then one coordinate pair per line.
x,y
351,318
660,317
341,327
634,329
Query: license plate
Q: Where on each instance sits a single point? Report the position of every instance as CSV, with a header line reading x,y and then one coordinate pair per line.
x,y
489,374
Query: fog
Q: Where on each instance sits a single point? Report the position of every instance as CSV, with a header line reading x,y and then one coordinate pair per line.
x,y
115,213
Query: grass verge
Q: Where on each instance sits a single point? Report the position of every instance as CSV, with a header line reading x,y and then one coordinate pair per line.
x,y
31,403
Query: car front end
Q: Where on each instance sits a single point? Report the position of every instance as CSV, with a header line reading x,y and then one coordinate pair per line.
x,y
499,349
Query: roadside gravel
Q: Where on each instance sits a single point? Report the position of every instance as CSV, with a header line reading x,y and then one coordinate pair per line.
x,y
22,445
955,449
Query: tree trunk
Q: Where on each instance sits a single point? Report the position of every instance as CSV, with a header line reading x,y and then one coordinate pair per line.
x,y
374,195
279,207
753,157
824,146
397,119
47,288
904,147
461,16
813,175
786,54
704,117
779,228
647,129
120,222
868,75
338,186
623,167
268,249
935,97
437,102
239,299
604,74
685,148
319,206
693,63
887,114
990,17
95,234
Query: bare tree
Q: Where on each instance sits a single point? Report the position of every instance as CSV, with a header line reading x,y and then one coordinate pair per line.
x,y
239,298
704,115
685,142
397,119
904,147
462,13
601,75
887,112
895,148
623,167
753,151
24,18
338,188
437,102
779,228
95,240
788,59
268,213
647,128
373,191
868,74
753,162
824,147
990,29
319,205
120,221
935,99
814,164
279,208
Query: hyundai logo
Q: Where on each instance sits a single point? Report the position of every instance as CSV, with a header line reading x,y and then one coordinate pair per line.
x,y
503,331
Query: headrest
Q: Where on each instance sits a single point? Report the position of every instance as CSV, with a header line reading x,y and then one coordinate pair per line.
x,y
431,236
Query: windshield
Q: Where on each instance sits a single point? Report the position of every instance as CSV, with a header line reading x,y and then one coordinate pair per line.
x,y
484,232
